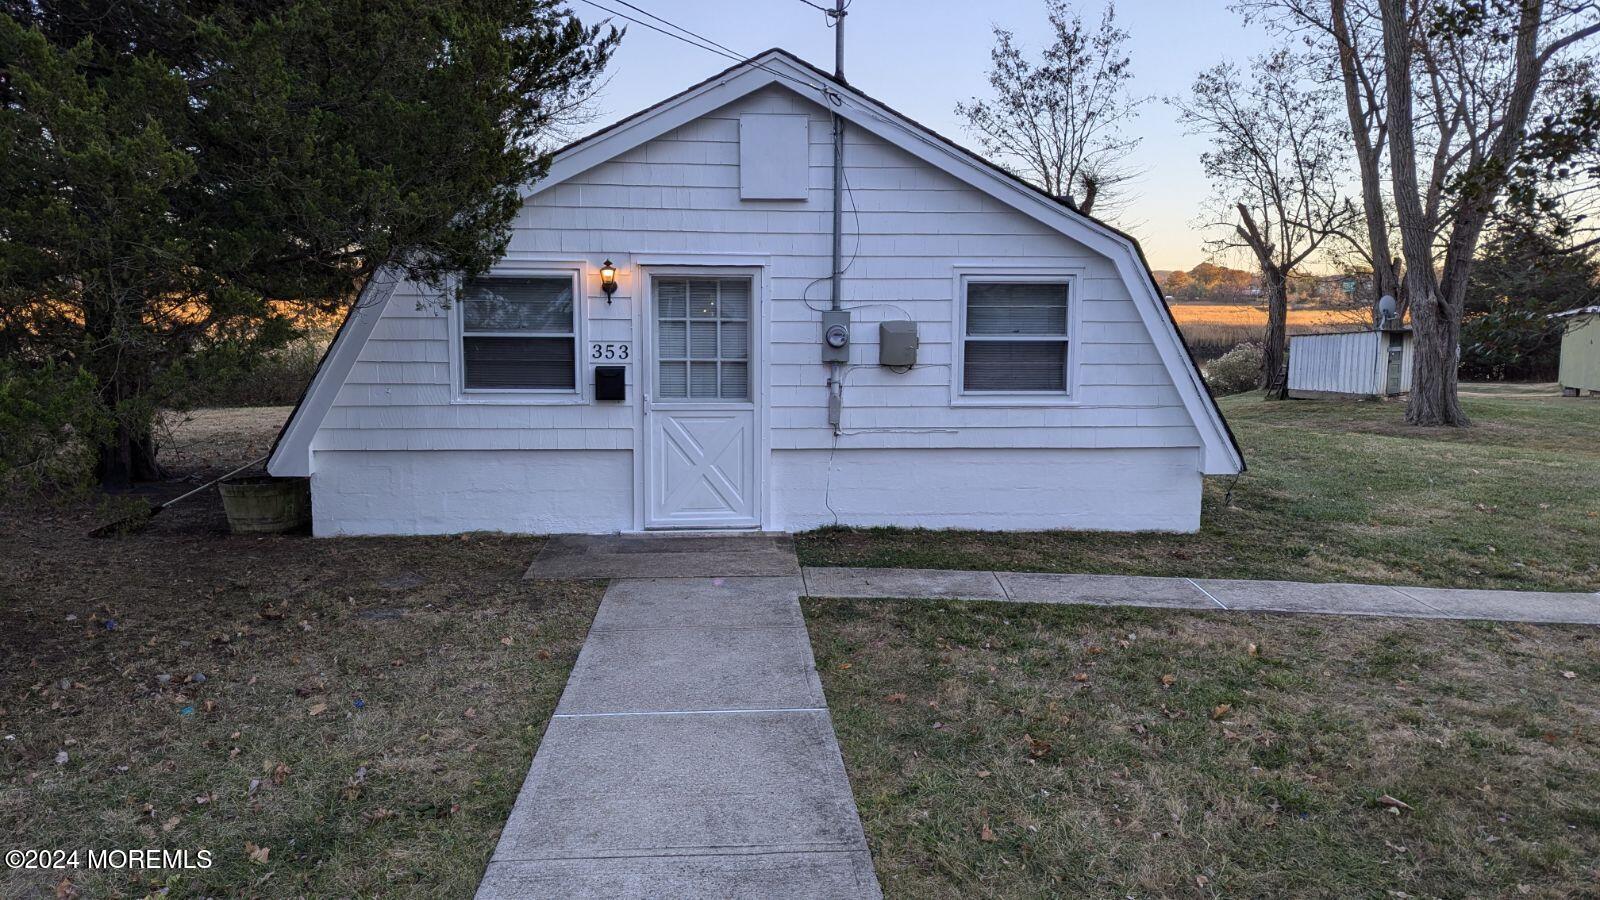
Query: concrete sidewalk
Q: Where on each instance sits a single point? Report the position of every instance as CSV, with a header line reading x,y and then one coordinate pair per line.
x,y
691,754
1206,593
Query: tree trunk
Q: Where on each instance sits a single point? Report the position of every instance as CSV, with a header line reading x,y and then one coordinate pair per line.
x,y
1437,326
1436,352
1385,269
1275,350
129,456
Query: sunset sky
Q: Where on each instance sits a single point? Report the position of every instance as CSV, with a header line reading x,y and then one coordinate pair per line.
x,y
921,57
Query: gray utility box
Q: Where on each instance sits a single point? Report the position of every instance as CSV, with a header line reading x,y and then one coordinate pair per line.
x,y
897,344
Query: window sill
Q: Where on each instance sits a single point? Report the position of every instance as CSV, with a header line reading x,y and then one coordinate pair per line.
x,y
519,398
1014,400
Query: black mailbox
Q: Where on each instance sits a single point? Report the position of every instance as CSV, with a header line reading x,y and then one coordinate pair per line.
x,y
610,383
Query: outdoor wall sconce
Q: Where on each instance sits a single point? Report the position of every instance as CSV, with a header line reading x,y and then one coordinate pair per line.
x,y
608,279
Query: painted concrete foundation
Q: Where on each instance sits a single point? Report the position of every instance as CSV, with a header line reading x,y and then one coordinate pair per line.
x,y
592,491
452,491
1155,489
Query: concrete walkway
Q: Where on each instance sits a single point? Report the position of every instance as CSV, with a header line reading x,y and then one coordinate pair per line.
x,y
1206,593
691,753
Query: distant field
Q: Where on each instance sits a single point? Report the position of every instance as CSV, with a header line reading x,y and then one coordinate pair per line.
x,y
1233,314
1212,329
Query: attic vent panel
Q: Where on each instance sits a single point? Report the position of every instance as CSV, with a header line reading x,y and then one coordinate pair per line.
x,y
773,157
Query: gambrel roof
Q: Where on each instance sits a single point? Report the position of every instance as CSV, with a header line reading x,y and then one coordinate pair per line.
x,y
1221,452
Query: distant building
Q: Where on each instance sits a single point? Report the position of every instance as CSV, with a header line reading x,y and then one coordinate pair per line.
x,y
1364,364
1580,351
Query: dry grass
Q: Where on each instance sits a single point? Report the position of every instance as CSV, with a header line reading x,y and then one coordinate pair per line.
x,y
1005,751
1239,315
1212,329
365,709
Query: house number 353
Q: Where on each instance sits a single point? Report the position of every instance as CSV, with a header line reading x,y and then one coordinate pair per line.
x,y
608,350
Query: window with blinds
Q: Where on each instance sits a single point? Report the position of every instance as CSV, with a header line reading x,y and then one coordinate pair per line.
x,y
519,334
1016,337
702,338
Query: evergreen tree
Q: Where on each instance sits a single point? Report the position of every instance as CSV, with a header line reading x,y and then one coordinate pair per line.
x,y
1525,271
182,176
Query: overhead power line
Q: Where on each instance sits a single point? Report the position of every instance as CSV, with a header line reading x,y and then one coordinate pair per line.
x,y
695,39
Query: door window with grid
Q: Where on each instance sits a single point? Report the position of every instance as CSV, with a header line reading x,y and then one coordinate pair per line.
x,y
702,338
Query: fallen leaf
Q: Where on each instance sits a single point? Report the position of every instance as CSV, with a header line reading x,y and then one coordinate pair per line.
x,y
470,713
1569,675
984,773
258,855
1394,804
842,666
506,640
986,834
1252,649
318,709
281,773
171,823
1037,748
1221,710
1168,680
1080,676
543,654
896,697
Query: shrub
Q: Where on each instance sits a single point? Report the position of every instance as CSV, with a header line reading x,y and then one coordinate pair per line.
x,y
1236,371
273,378
51,421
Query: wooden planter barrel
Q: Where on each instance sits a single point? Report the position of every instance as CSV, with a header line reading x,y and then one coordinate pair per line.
x,y
263,504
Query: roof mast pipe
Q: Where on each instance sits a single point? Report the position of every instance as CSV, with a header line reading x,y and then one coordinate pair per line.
x,y
838,14
836,367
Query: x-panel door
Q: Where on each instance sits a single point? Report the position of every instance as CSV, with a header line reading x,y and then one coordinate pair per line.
x,y
701,450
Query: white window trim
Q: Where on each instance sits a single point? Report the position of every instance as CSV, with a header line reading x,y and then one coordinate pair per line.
x,y
461,394
1072,277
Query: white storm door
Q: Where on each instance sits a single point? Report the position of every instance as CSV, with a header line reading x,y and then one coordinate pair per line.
x,y
701,449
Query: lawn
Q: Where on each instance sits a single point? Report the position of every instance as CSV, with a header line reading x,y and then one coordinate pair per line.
x,y
1338,491
1021,751
344,717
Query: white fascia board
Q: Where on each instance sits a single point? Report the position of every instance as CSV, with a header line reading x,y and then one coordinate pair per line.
x,y
291,456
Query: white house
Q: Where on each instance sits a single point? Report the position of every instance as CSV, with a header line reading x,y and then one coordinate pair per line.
x,y
1049,386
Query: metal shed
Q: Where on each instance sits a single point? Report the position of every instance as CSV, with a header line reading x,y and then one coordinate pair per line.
x,y
1580,351
1370,363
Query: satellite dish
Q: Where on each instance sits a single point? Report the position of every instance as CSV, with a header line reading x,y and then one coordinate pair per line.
x,y
1388,311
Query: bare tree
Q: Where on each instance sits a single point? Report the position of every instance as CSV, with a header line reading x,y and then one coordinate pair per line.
x,y
1277,159
1343,35
1449,88
1481,66
1059,121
